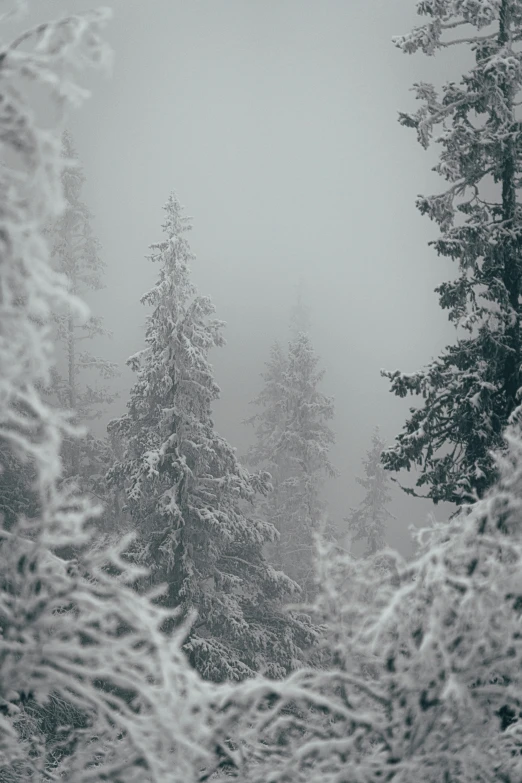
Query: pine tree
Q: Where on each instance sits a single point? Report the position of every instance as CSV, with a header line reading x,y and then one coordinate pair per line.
x,y
368,521
292,442
471,391
189,497
76,254
75,639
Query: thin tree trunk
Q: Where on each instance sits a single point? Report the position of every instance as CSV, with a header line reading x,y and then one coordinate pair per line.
x,y
73,468
510,252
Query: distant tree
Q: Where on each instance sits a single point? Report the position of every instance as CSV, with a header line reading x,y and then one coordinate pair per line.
x,y
471,391
190,499
75,638
292,442
75,379
368,520
270,422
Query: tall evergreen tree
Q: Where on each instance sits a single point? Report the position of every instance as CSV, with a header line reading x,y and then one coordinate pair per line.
x,y
87,644
368,520
471,391
76,377
292,442
188,496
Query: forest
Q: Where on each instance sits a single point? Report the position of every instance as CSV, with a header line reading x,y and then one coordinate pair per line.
x,y
178,609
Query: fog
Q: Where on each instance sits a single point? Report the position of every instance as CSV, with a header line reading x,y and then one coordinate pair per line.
x,y
275,121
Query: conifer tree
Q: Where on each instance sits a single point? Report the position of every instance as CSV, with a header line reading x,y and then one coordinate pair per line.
x,y
76,376
469,392
368,520
292,442
74,638
190,499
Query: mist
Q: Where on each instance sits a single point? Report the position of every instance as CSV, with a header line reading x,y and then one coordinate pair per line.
x,y
276,125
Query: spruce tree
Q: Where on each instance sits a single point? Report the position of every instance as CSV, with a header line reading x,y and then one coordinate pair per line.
x,y
292,442
368,520
189,498
75,639
76,377
471,390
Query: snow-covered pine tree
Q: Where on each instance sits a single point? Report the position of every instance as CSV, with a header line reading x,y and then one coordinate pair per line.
x,y
76,376
368,520
75,640
189,497
472,389
292,442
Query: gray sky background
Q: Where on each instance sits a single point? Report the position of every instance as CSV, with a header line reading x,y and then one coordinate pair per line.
x,y
276,123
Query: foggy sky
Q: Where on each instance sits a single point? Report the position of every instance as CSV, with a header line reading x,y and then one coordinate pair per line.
x,y
276,123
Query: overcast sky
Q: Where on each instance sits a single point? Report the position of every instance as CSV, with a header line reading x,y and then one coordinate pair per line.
x,y
276,123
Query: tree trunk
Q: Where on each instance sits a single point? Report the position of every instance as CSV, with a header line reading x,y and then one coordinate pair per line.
x,y
510,249
73,468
